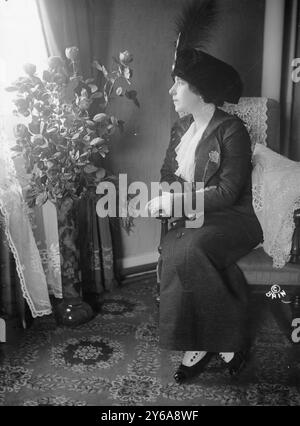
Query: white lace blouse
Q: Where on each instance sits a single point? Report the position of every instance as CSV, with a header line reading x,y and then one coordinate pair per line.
x,y
185,151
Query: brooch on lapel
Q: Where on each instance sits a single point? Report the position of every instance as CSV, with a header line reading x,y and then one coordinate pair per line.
x,y
214,156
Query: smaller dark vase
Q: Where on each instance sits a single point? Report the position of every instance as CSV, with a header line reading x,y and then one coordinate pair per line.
x,y
72,311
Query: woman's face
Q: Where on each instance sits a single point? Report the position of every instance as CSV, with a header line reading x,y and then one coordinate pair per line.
x,y
185,100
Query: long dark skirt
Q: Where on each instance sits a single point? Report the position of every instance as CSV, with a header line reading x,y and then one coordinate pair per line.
x,y
203,294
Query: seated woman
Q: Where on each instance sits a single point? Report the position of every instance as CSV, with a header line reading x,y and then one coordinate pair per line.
x,y
203,296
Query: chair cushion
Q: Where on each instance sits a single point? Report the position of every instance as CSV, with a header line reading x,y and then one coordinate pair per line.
x,y
258,270
276,195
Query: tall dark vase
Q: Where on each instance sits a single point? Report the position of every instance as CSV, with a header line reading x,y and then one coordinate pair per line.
x,y
72,311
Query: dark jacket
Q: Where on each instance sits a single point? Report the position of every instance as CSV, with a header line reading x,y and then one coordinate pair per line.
x,y
223,163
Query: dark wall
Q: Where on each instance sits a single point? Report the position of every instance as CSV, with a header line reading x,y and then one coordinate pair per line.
x,y
239,40
146,28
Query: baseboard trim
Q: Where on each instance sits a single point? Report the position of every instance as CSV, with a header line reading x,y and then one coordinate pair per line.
x,y
138,271
146,259
145,277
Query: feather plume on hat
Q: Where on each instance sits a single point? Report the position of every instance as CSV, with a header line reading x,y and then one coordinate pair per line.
x,y
195,24
216,81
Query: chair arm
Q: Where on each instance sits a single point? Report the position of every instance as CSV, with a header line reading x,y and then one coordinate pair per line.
x,y
163,231
295,250
164,228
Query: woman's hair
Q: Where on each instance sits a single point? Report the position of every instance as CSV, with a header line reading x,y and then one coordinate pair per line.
x,y
206,99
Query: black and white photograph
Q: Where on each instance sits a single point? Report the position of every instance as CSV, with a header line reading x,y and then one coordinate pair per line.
x,y
149,206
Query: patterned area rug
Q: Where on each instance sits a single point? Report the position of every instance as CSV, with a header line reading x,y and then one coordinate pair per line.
x,y
115,360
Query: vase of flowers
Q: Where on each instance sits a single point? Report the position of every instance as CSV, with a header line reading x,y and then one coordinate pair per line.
x,y
64,144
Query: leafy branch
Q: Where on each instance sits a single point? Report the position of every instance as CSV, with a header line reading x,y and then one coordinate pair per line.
x,y
67,136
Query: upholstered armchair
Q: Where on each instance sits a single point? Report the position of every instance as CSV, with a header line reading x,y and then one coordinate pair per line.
x,y
261,116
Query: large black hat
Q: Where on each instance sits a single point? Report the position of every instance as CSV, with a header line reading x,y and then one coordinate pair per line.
x,y
215,80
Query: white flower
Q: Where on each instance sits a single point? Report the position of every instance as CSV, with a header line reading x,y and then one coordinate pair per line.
x,y
72,53
125,57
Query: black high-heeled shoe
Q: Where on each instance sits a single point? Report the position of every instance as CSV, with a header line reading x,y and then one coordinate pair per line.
x,y
237,364
183,373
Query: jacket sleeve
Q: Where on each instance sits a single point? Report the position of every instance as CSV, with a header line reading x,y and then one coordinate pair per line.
x,y
235,169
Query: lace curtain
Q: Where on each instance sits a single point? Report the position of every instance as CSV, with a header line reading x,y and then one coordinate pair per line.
x,y
20,238
43,222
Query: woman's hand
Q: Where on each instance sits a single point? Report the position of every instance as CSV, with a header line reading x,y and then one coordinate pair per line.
x,y
161,205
